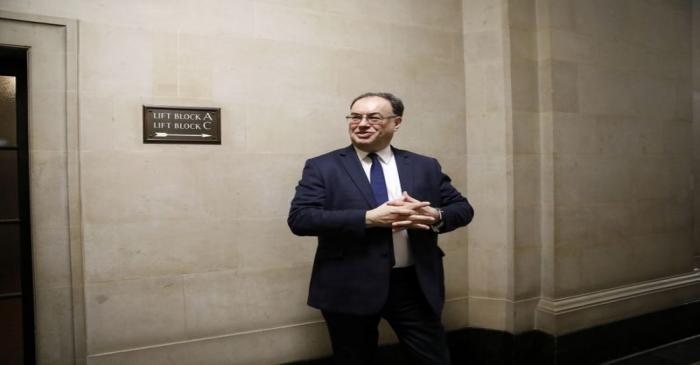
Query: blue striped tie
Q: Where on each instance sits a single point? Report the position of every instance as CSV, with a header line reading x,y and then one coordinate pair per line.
x,y
376,179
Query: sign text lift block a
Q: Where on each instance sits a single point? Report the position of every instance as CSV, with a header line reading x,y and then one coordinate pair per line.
x,y
169,124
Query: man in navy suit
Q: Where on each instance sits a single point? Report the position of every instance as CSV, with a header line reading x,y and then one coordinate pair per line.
x,y
377,211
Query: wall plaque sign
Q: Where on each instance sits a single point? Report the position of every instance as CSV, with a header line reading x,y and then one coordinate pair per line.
x,y
169,124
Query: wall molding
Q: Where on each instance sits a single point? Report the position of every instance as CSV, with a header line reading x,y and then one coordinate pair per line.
x,y
585,347
613,295
384,340
209,338
291,341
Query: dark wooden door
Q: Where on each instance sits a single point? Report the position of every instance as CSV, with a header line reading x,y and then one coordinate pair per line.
x,y
16,291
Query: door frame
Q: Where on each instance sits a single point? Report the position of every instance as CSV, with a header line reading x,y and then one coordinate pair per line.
x,y
75,350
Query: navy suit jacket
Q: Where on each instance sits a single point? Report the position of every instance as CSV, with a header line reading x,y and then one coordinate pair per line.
x,y
352,266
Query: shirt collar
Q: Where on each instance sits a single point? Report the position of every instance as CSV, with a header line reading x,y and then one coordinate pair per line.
x,y
385,154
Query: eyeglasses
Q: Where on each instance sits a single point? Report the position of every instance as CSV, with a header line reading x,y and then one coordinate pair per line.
x,y
371,118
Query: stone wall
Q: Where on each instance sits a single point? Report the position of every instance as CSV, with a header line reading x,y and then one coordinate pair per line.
x,y
186,249
579,131
573,119
621,143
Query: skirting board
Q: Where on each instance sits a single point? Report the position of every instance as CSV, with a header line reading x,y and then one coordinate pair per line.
x,y
585,347
565,315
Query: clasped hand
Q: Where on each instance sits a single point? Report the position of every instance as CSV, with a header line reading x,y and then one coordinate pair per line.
x,y
403,213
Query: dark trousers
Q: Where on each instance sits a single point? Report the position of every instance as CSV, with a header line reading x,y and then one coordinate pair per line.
x,y
419,329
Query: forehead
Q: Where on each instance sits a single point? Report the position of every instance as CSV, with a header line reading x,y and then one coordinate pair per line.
x,y
371,104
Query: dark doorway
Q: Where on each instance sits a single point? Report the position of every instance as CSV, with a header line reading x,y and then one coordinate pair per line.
x,y
16,284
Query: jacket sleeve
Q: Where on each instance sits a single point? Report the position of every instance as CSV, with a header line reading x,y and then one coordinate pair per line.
x,y
456,210
308,215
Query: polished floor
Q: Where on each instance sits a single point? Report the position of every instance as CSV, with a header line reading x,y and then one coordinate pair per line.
x,y
683,352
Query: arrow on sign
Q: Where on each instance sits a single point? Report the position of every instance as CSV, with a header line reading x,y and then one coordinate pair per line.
x,y
163,134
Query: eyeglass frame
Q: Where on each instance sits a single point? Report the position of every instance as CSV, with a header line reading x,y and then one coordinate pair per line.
x,y
353,119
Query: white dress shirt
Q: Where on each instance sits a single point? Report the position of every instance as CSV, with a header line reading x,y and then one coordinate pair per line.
x,y
402,254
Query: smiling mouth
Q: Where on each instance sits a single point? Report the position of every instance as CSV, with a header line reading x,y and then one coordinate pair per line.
x,y
364,134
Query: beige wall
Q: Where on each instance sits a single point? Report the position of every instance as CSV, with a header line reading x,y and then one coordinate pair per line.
x,y
572,117
527,161
622,142
579,135
615,81
489,151
186,247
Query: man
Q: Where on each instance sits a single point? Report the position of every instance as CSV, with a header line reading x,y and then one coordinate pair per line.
x,y
377,211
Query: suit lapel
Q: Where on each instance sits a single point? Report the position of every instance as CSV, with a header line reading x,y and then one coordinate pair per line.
x,y
403,164
353,167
